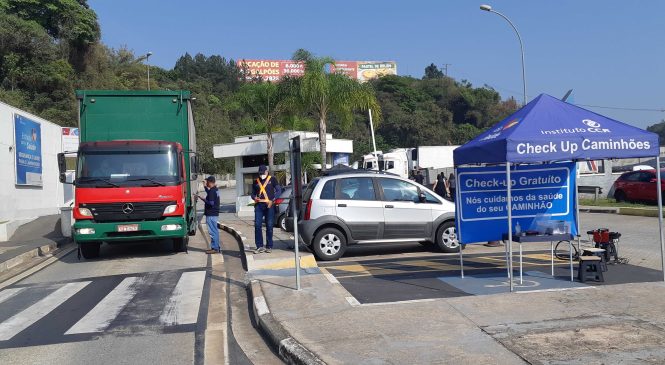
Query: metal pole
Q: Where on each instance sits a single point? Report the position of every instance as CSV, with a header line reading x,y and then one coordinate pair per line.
x,y
570,243
552,255
371,128
461,261
577,209
521,50
147,60
296,238
660,214
510,224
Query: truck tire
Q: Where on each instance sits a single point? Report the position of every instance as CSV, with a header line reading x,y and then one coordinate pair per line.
x,y
180,244
90,250
446,238
329,244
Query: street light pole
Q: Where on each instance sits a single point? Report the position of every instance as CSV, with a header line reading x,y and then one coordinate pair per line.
x,y
147,61
489,9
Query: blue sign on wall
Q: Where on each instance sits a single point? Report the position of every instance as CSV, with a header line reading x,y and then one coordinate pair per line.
x,y
28,141
542,196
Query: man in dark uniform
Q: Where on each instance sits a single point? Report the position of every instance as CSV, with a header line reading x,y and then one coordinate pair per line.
x,y
420,179
212,213
264,192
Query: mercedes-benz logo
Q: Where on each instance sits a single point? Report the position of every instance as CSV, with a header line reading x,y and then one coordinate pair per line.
x,y
128,208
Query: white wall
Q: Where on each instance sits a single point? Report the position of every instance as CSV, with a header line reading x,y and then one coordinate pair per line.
x,y
19,202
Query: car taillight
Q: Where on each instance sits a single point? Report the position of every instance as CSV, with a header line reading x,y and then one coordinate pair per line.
x,y
279,201
308,209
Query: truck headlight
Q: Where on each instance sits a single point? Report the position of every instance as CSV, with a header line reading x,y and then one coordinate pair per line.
x,y
85,212
170,209
85,231
171,227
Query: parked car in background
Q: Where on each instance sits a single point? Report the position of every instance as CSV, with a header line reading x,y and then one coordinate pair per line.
x,y
281,205
638,186
369,207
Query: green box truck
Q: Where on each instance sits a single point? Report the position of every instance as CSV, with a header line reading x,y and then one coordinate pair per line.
x,y
135,169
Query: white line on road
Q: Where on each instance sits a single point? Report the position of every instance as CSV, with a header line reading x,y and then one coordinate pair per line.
x,y
35,312
183,305
100,317
8,293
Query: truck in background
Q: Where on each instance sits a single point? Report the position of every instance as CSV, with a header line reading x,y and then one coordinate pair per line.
x,y
401,161
136,169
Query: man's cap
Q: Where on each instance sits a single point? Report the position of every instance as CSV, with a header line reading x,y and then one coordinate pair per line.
x,y
262,169
210,178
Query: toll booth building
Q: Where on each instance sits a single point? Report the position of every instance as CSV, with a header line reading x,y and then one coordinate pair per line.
x,y
249,152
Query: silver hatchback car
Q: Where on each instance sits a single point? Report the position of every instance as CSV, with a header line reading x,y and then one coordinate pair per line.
x,y
369,207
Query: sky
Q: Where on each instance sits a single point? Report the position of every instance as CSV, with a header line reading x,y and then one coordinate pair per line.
x,y
611,53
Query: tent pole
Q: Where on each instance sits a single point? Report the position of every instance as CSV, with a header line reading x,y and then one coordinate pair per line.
x,y
461,261
660,214
577,209
510,225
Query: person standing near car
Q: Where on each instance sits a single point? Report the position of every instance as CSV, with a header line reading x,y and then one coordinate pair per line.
x,y
420,179
452,185
212,213
441,186
264,191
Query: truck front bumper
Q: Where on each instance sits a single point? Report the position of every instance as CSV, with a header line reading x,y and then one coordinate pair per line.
x,y
90,231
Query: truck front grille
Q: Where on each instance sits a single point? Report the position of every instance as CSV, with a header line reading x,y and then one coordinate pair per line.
x,y
125,212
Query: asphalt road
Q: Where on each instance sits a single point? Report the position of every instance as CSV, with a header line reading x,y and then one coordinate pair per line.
x,y
406,271
136,304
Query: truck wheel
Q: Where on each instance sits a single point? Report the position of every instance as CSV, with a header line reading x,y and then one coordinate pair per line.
x,y
446,238
180,244
329,244
90,250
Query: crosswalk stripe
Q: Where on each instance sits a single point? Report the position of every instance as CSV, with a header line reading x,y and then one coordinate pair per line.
x,y
8,293
183,305
35,312
100,317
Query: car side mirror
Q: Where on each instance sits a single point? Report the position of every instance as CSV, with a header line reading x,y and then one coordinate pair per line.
x,y
653,180
422,198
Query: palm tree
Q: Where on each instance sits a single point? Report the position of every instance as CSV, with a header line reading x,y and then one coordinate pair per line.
x,y
265,102
323,94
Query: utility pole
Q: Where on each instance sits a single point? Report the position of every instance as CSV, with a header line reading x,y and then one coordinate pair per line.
x,y
445,68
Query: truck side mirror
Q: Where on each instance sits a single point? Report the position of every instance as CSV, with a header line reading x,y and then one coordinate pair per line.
x,y
62,168
194,166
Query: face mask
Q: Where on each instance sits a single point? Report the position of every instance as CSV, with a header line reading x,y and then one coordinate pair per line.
x,y
264,176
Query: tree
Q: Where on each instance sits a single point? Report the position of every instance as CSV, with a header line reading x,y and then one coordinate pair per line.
x,y
659,128
265,102
433,72
324,94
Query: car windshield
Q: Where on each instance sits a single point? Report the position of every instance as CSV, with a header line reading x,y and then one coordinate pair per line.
x,y
127,168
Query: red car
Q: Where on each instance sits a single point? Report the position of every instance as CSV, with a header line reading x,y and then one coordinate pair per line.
x,y
638,186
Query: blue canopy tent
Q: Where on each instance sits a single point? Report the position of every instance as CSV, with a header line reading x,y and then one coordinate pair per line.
x,y
550,130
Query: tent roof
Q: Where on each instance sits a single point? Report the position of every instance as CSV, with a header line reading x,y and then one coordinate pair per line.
x,y
548,129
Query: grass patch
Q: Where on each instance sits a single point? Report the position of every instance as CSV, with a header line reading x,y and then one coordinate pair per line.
x,y
605,202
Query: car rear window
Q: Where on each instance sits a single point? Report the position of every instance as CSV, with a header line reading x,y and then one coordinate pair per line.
x,y
328,191
309,190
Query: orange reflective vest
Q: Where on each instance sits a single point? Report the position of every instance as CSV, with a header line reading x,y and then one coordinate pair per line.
x,y
262,190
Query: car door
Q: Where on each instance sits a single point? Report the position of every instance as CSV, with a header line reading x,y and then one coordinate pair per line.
x,y
630,185
358,207
647,186
404,215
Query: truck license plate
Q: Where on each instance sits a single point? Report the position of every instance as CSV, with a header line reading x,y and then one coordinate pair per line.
x,y
128,227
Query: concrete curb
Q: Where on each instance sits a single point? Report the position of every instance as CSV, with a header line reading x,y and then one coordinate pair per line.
x,y
289,349
641,212
27,256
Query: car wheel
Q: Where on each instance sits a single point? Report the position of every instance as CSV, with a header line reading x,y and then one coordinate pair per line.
x,y
620,196
179,244
446,238
281,222
329,244
90,250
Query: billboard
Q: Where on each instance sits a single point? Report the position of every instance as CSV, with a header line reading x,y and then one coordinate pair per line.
x,y
70,139
275,70
540,194
28,142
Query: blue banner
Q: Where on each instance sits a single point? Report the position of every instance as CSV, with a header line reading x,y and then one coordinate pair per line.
x,y
28,141
543,200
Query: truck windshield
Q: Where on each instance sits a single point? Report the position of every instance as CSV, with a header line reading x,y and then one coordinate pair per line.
x,y
127,168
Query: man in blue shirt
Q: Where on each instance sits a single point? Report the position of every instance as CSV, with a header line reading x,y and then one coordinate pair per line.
x,y
264,192
212,213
